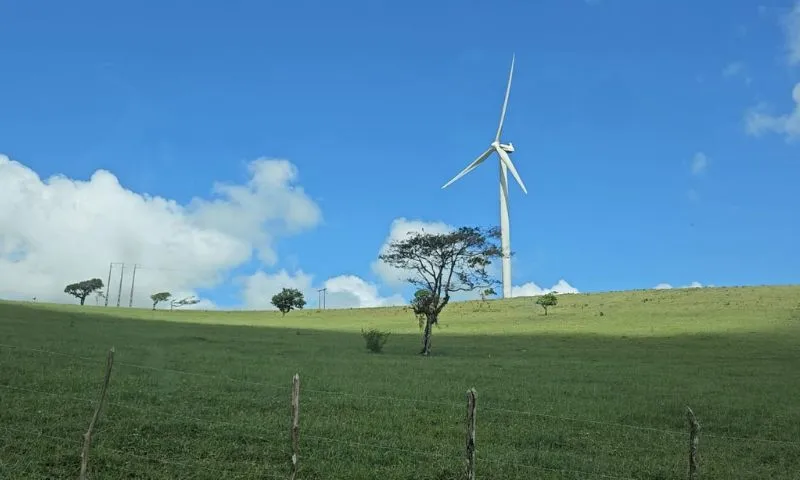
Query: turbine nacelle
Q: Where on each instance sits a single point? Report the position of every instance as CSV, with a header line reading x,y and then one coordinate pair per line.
x,y
506,147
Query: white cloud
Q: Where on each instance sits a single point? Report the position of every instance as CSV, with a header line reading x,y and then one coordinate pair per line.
x,y
699,163
267,206
667,286
344,291
352,291
791,25
400,229
61,230
758,121
258,288
530,289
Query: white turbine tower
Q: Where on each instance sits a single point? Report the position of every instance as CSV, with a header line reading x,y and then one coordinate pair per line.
x,y
503,150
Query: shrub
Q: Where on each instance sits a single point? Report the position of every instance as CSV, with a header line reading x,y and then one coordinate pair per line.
x,y
375,339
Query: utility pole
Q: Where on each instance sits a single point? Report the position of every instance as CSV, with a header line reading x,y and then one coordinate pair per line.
x,y
133,281
119,294
108,285
322,293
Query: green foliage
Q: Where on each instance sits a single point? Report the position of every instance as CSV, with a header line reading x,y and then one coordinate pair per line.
x,y
443,263
421,304
288,299
160,297
375,339
81,290
547,300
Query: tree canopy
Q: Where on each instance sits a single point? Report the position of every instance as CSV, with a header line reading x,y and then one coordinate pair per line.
x,y
81,290
160,297
547,300
288,299
443,263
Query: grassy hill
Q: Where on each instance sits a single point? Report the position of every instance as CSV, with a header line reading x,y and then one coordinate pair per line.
x,y
596,389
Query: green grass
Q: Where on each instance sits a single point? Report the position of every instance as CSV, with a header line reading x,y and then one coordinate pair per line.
x,y
558,393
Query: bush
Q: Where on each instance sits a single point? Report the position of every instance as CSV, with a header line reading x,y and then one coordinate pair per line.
x,y
375,339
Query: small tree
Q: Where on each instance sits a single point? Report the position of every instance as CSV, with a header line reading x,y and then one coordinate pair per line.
x,y
183,302
485,294
547,300
83,289
441,264
375,339
288,299
160,297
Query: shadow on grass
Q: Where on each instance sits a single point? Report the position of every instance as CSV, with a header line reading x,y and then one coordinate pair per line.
x,y
556,401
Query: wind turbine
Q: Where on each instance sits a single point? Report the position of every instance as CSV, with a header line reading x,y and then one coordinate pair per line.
x,y
503,150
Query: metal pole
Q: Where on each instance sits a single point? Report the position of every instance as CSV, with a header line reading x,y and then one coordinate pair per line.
x,y
119,294
108,285
133,281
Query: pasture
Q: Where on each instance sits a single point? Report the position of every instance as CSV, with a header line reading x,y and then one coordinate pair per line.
x,y
571,395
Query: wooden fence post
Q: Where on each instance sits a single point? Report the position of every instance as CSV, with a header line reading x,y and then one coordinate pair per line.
x,y
87,437
295,424
694,439
470,460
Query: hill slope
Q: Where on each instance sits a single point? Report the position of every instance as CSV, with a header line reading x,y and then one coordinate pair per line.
x,y
574,394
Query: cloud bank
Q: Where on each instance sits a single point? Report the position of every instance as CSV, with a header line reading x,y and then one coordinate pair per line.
x,y
59,230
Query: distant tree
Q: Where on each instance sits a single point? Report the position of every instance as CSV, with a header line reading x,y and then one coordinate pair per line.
x,y
547,300
288,299
98,296
160,297
485,294
441,264
183,302
83,289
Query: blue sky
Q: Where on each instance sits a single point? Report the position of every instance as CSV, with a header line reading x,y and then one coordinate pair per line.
x,y
377,104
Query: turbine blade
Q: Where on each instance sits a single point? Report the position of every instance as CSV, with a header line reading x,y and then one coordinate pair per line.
x,y
507,161
505,102
471,166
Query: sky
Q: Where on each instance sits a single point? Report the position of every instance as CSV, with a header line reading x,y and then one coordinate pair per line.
x,y
230,149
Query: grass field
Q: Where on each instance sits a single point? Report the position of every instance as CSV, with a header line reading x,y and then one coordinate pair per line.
x,y
571,395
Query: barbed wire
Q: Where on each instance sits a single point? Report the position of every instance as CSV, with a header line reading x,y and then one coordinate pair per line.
x,y
219,423
409,400
118,452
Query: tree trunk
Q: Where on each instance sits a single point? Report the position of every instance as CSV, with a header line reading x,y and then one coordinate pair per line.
x,y
426,336
545,311
83,299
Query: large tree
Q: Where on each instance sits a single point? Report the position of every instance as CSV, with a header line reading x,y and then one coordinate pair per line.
x,y
443,263
81,290
288,299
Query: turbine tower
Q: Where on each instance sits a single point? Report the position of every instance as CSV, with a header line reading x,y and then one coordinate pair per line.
x,y
504,160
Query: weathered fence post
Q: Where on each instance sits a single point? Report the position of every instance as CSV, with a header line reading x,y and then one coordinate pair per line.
x,y
87,437
470,460
295,424
694,439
